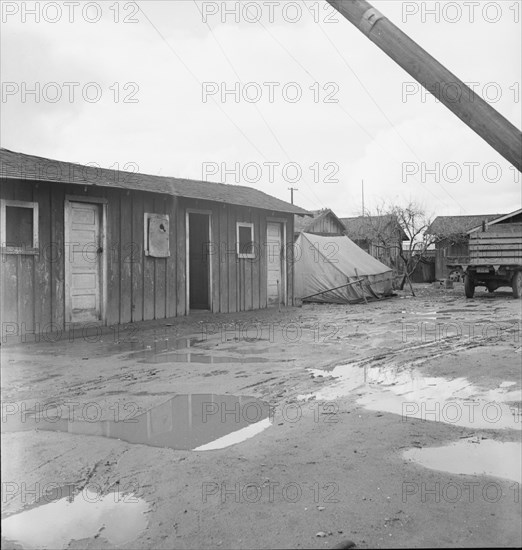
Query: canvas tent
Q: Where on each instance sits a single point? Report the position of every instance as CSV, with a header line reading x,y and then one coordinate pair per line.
x,y
325,264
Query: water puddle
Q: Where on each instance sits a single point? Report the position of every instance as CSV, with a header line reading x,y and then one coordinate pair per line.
x,y
454,310
56,519
162,343
185,422
235,437
404,391
472,457
246,350
179,350
174,357
427,315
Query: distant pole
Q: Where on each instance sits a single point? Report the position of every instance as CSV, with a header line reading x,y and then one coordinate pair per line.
x,y
362,194
292,189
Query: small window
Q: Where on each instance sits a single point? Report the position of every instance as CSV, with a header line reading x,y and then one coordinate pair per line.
x,y
245,240
19,227
156,233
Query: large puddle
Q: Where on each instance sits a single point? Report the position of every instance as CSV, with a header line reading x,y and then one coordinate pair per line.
x,y
473,457
197,422
176,357
180,350
403,390
54,521
184,350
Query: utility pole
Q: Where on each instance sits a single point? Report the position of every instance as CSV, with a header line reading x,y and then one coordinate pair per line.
x,y
292,189
478,114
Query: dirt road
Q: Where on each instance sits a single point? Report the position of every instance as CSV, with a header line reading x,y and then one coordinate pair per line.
x,y
391,424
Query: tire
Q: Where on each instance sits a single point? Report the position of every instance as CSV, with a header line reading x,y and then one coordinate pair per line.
x,y
469,286
516,284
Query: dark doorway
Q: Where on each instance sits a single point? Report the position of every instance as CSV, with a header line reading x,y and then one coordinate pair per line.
x,y
199,261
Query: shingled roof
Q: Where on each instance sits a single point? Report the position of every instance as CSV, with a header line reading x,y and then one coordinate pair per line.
x,y
512,217
28,167
361,226
458,225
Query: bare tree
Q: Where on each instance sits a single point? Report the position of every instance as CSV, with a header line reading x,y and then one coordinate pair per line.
x,y
392,225
405,230
415,222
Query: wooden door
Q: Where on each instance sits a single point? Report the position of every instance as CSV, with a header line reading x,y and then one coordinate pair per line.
x,y
83,258
275,284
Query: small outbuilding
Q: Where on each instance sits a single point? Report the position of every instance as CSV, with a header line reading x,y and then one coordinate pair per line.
x,y
85,245
320,222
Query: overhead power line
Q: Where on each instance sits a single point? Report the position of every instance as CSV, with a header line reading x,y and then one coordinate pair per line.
x,y
265,121
180,59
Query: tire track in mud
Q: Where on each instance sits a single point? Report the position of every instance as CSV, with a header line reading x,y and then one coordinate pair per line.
x,y
408,356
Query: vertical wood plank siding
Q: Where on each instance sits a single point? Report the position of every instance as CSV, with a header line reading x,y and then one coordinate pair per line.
x,y
123,244
138,287
114,269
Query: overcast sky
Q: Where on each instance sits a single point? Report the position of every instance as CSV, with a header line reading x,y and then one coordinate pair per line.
x,y
151,67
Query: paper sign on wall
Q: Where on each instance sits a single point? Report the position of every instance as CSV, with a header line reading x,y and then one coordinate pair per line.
x,y
157,235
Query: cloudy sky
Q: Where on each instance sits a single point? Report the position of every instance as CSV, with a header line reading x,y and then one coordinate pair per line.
x,y
140,85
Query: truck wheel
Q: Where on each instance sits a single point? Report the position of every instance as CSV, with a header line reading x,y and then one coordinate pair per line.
x,y
469,286
516,284
492,287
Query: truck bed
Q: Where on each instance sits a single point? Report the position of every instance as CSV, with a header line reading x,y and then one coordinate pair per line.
x,y
501,245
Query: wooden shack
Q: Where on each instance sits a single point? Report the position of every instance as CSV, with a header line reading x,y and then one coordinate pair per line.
x,y
80,244
319,222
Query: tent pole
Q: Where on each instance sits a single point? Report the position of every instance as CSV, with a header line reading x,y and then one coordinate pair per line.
x,y
362,288
331,289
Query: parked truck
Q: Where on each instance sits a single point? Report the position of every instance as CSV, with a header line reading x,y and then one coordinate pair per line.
x,y
495,255
495,259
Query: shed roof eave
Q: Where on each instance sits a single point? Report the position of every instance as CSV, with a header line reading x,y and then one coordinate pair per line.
x,y
16,166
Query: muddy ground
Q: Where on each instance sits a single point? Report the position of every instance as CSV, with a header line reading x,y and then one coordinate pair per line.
x,y
333,468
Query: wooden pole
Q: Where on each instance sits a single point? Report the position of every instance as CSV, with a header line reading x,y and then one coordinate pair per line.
x,y
361,286
332,289
496,130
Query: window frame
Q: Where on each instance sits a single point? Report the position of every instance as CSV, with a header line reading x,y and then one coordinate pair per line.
x,y
34,249
243,255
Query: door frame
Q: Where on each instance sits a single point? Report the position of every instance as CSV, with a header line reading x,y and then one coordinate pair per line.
x,y
284,277
103,263
208,213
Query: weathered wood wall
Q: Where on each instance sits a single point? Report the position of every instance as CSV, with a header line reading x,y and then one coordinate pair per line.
x,y
449,253
499,245
238,284
326,226
424,272
139,287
